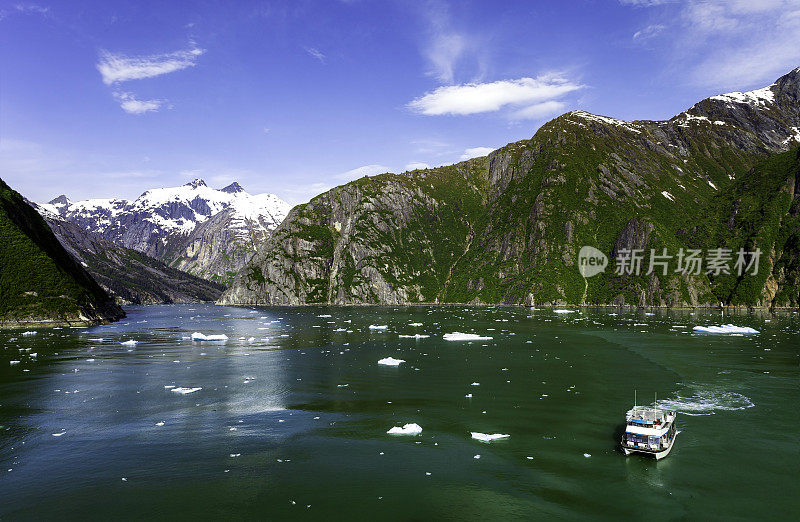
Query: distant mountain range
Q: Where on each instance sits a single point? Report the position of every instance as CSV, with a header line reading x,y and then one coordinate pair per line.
x,y
508,228
129,276
204,231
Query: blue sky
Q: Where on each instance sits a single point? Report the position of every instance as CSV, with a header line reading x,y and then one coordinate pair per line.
x,y
108,99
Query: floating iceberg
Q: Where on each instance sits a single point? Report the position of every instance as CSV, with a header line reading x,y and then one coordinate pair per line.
x,y
197,336
417,336
485,437
726,329
407,429
29,333
458,336
184,391
130,342
391,361
378,327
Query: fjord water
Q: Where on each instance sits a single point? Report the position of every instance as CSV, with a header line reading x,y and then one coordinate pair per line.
x,y
292,414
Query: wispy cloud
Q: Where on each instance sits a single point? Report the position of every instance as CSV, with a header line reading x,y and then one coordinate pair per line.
x,y
476,152
475,98
25,9
116,68
360,172
416,165
131,105
538,111
441,44
729,44
316,53
649,32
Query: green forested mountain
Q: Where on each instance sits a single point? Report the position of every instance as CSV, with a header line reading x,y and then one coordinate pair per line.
x,y
39,281
507,228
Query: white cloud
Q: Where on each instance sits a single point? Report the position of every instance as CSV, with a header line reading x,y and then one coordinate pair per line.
x,y
360,172
116,68
539,110
644,3
416,165
131,105
730,44
313,51
476,152
474,98
649,32
443,52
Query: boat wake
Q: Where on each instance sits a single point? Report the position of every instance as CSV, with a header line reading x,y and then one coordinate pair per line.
x,y
705,402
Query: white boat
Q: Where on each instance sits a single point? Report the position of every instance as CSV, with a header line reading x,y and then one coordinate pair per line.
x,y
649,431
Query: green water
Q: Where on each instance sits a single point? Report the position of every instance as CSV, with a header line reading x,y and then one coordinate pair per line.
x,y
291,424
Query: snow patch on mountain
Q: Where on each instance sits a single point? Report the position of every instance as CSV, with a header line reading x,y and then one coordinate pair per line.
x,y
757,97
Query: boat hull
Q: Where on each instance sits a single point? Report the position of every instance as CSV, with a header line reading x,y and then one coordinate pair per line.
x,y
658,455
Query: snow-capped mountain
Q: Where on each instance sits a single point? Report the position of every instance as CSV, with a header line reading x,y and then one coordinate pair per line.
x,y
160,221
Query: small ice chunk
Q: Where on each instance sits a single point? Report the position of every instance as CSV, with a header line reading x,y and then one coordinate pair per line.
x,y
468,396
59,434
726,329
378,326
485,437
184,391
475,384
476,457
407,429
12,363
160,423
130,342
458,336
391,361
561,311
29,333
417,336
198,336
587,455
324,315
414,324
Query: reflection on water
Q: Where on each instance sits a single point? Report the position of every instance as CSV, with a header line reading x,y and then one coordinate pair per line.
x,y
289,416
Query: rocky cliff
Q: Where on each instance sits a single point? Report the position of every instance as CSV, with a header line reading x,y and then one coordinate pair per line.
x,y
129,276
40,283
507,228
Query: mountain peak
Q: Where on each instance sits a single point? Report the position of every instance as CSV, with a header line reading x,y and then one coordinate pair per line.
x,y
60,200
196,183
233,188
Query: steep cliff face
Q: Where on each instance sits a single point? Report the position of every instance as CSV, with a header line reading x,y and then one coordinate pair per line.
x,y
220,246
129,276
40,283
507,228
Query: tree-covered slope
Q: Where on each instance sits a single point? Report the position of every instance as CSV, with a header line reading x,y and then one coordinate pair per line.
x,y
507,228
39,281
